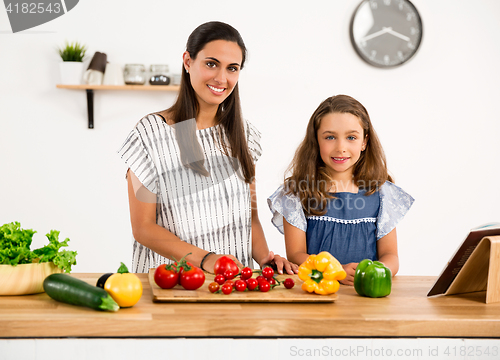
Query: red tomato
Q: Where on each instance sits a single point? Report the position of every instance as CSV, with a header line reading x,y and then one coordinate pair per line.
x,y
180,272
246,273
272,281
252,283
229,274
230,282
240,285
220,279
213,287
289,283
264,286
192,278
268,272
227,289
166,276
225,263
260,278
182,265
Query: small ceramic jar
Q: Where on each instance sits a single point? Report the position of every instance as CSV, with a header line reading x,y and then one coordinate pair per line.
x,y
134,74
159,75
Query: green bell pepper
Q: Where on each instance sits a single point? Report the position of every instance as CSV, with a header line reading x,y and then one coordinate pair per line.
x,y
372,279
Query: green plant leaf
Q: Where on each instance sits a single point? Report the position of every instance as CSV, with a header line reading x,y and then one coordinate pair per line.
x,y
72,51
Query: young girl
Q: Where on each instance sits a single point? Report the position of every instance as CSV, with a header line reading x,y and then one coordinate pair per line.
x,y
192,167
340,197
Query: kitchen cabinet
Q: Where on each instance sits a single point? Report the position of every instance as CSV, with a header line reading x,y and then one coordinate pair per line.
x,y
91,88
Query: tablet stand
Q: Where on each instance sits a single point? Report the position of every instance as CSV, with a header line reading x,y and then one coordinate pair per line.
x,y
481,271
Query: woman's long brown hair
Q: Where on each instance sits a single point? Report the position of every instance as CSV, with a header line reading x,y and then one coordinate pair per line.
x,y
309,178
228,114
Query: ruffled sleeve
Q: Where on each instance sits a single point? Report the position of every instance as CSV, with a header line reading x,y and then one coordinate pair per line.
x,y
287,206
253,141
136,154
394,204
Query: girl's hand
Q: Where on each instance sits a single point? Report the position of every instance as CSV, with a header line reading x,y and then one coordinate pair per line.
x,y
350,269
280,263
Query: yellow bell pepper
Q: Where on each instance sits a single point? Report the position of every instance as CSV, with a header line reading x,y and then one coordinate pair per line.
x,y
124,287
321,273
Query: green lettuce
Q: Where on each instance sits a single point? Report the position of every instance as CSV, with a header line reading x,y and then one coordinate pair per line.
x,y
15,245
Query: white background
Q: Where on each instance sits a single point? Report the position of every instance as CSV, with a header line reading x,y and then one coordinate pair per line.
x,y
436,115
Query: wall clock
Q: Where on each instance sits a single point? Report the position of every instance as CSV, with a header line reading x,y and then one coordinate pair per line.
x,y
386,33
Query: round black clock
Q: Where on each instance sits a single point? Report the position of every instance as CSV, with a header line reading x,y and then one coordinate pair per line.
x,y
386,33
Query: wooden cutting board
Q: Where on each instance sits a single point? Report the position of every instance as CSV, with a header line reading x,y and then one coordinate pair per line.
x,y
278,294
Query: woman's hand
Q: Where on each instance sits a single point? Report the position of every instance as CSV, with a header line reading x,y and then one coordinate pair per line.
x,y
280,262
350,270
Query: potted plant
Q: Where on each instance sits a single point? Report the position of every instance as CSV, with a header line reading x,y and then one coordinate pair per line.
x,y
72,55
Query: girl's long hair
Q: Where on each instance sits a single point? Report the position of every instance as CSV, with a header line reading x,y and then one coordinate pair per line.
x,y
228,114
309,178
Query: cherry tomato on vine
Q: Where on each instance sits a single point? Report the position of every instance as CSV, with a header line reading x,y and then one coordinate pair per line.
x,y
226,289
252,283
272,281
268,272
213,287
260,278
220,279
246,273
230,283
230,274
264,286
289,283
240,285
166,276
225,263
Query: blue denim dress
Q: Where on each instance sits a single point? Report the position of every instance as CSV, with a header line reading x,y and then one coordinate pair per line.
x,y
348,229
352,224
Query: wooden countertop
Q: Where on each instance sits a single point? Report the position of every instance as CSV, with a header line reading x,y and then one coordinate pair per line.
x,y
407,312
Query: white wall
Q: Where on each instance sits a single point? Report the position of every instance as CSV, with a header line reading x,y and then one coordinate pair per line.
x,y
436,115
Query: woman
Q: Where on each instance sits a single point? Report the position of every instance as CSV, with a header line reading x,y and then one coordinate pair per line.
x,y
191,177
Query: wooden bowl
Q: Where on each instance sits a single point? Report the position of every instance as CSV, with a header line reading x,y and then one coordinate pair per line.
x,y
26,278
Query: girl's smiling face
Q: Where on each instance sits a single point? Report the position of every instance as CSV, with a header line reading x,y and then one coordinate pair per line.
x,y
341,140
215,71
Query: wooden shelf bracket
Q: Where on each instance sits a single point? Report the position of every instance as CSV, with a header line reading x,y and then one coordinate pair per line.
x,y
90,107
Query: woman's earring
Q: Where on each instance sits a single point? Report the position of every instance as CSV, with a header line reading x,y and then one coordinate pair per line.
x,y
187,71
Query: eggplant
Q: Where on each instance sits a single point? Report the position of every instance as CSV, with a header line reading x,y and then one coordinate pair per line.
x,y
102,280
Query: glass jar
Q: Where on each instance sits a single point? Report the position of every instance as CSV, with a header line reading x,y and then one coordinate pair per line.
x,y
134,74
176,79
159,75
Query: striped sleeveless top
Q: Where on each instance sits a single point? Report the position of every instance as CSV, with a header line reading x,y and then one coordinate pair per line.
x,y
212,213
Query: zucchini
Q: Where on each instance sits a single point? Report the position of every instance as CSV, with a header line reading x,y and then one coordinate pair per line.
x,y
70,290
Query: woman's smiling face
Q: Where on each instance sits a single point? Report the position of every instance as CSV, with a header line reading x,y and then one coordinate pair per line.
x,y
215,71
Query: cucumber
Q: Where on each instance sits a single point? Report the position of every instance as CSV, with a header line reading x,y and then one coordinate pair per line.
x,y
70,290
